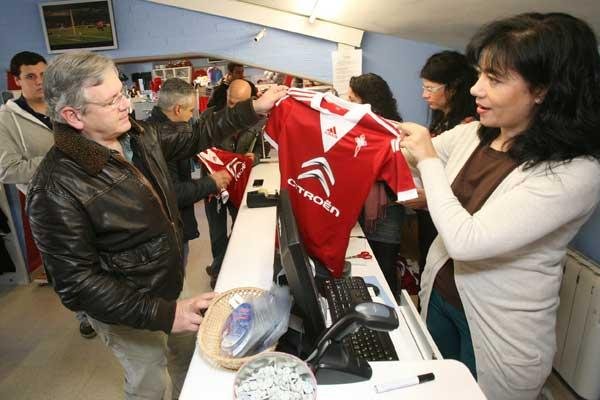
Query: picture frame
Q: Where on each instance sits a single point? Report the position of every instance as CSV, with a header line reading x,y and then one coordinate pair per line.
x,y
78,24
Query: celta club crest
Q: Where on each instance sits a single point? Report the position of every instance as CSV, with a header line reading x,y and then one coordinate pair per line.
x,y
361,142
212,157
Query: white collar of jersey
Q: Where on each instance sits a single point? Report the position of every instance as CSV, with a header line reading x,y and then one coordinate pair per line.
x,y
355,111
335,126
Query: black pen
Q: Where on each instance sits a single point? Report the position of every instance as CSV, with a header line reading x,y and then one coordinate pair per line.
x,y
409,381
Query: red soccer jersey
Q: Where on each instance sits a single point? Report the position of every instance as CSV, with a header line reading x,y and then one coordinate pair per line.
x,y
330,153
237,165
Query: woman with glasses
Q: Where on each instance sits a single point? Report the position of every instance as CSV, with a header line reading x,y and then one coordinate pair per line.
x,y
508,193
447,78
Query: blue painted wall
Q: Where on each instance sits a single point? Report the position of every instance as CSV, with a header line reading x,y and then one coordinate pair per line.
x,y
148,29
588,240
399,62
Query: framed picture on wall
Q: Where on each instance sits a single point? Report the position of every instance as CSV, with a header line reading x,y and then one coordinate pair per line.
x,y
78,24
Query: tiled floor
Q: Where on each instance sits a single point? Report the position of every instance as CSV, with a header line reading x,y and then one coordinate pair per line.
x,y
43,357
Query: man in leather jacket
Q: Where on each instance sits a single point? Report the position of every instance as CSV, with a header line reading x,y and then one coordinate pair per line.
x,y
176,105
104,215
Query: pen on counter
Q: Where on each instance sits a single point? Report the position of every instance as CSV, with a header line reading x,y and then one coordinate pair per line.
x,y
402,383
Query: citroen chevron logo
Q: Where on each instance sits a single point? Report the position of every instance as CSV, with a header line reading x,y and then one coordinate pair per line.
x,y
236,167
323,166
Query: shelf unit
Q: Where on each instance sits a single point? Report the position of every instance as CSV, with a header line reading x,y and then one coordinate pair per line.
x,y
184,73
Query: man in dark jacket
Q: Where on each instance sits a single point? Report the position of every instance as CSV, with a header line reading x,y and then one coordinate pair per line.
x,y
176,105
218,98
104,216
244,142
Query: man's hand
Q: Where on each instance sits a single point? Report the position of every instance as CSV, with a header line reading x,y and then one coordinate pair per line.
x,y
251,156
221,178
188,313
265,102
420,203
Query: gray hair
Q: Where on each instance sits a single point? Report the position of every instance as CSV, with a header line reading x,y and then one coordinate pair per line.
x,y
68,75
174,91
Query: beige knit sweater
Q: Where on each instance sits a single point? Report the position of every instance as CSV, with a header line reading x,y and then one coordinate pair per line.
x,y
508,258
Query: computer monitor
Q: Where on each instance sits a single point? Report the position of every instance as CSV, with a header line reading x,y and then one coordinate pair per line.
x,y
298,271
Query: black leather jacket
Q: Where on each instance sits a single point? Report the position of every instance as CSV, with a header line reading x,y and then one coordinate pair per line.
x,y
110,233
188,191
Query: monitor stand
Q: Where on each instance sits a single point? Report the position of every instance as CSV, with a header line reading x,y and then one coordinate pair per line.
x,y
322,273
295,341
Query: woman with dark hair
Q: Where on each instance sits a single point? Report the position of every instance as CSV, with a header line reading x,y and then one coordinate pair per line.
x,y
373,89
381,218
447,78
507,195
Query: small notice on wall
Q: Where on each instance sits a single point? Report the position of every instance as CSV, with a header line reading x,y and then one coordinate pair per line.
x,y
346,62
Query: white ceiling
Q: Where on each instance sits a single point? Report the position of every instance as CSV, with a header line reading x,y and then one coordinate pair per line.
x,y
448,23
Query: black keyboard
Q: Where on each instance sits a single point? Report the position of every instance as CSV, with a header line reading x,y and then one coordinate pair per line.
x,y
370,345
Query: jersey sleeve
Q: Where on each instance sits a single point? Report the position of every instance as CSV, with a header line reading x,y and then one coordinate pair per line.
x,y
396,172
276,121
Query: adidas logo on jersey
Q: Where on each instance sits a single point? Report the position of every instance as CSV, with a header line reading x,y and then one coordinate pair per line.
x,y
331,132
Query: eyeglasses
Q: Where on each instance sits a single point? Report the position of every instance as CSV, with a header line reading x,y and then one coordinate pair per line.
x,y
432,89
115,102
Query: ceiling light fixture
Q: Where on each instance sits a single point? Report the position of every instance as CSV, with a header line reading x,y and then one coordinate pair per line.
x,y
313,14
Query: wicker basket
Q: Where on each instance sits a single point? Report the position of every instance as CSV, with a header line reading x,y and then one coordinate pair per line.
x,y
209,334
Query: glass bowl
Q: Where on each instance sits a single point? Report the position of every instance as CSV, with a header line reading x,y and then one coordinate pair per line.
x,y
274,376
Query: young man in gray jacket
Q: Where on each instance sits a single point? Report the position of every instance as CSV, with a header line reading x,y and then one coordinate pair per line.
x,y
25,128
26,135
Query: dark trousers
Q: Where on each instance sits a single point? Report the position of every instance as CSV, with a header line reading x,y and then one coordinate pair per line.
x,y
386,255
217,228
450,331
427,234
